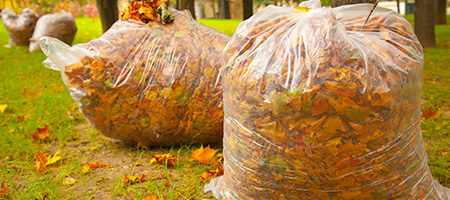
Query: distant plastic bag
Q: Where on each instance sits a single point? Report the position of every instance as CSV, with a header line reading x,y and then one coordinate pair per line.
x,y
20,27
155,85
58,25
316,108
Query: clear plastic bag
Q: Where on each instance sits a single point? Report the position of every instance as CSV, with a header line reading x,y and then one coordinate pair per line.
x,y
317,107
58,25
20,27
155,85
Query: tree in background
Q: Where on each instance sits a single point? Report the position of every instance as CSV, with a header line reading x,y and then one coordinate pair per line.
x,y
108,11
224,9
336,3
187,5
424,22
441,12
247,8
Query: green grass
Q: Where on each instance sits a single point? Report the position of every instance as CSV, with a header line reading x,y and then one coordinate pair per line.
x,y
38,95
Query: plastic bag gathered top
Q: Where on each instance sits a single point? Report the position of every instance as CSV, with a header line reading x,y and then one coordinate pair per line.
x,y
19,27
58,25
155,85
317,107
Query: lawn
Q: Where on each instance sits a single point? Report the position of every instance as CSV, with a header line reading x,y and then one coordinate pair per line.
x,y
36,97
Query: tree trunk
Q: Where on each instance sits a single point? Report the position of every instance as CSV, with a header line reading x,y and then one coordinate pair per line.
x,y
336,3
224,9
398,6
247,8
188,5
441,12
424,22
108,11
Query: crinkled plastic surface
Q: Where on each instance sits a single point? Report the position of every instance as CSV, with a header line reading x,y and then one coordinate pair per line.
x,y
58,25
155,85
20,27
316,108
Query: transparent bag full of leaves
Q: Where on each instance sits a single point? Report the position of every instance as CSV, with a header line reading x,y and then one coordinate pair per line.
x,y
145,80
20,27
58,25
319,107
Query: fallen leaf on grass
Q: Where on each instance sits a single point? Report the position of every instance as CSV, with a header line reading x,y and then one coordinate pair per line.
x,y
3,107
42,134
92,148
204,155
70,115
431,114
69,181
151,197
43,162
208,175
20,118
163,159
4,191
88,166
132,179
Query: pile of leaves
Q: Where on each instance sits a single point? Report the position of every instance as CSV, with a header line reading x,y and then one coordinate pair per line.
x,y
317,107
20,27
148,12
155,85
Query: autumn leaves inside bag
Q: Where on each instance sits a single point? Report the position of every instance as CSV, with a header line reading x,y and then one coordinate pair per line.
x,y
151,83
319,107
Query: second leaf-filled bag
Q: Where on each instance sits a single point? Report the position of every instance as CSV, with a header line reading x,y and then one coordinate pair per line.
x,y
58,25
146,81
319,107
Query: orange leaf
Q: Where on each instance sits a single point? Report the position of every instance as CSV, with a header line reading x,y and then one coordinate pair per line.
x,y
151,197
4,191
206,176
41,135
131,179
163,159
204,155
41,159
87,167
319,106
96,165
431,114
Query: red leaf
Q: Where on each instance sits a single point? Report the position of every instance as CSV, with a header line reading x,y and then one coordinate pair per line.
x,y
41,160
430,114
41,135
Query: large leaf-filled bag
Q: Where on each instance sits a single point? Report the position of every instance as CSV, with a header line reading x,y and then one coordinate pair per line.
x,y
151,83
319,107
58,25
20,27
